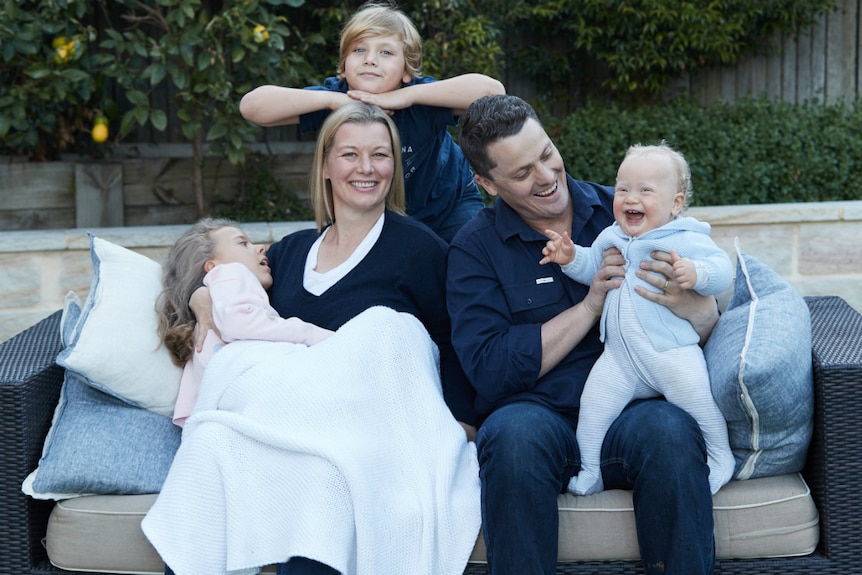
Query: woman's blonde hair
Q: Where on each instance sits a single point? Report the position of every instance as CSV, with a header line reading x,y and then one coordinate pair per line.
x,y
321,188
182,274
374,19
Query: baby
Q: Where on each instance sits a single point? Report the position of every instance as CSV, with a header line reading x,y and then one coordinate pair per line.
x,y
648,350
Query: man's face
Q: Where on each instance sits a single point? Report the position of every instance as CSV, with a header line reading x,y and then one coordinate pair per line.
x,y
529,175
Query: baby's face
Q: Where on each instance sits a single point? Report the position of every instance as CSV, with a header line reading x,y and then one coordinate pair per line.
x,y
646,196
376,65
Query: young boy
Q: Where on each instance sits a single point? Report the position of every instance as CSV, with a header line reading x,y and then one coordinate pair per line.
x,y
648,350
380,64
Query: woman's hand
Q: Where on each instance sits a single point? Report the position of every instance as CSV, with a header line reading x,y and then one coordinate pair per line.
x,y
469,430
201,305
701,311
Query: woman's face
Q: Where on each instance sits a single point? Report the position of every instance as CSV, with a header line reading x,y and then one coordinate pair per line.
x,y
359,166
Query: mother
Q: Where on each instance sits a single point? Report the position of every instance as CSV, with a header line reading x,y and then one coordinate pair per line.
x,y
364,253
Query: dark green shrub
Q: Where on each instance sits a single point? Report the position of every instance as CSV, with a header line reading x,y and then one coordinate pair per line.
x,y
261,197
750,152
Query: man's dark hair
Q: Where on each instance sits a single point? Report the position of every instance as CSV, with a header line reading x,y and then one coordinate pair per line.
x,y
488,120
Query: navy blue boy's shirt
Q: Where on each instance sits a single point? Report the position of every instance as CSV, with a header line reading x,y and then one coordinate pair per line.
x,y
436,173
498,297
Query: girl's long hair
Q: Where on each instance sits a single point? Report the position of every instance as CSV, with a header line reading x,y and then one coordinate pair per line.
x,y
182,274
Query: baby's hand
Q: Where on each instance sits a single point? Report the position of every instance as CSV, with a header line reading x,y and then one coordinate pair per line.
x,y
559,249
684,271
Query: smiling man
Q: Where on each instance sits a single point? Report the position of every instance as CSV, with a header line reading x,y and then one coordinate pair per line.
x,y
527,337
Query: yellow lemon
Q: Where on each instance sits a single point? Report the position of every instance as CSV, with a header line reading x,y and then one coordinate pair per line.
x,y
59,41
61,54
260,33
99,133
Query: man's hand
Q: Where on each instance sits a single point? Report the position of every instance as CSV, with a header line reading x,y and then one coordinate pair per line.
x,y
701,311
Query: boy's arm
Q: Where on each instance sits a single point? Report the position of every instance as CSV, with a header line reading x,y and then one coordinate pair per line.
x,y
455,93
278,105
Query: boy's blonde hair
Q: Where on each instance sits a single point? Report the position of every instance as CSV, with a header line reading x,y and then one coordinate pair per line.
x,y
683,171
374,19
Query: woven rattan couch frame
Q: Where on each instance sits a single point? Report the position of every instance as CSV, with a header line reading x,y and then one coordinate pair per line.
x,y
30,383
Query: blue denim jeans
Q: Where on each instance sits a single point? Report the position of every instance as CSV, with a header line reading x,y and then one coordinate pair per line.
x,y
469,205
296,566
527,453
303,566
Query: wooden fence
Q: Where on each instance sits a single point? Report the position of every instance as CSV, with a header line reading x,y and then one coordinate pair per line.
x,y
822,63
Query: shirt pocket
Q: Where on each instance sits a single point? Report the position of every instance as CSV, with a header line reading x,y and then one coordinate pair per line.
x,y
529,301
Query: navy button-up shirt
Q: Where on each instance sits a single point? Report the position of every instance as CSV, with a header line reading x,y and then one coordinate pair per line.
x,y
498,297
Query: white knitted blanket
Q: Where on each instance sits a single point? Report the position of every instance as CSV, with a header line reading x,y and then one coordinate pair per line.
x,y
343,452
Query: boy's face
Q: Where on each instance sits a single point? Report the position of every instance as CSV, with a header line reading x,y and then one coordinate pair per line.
x,y
646,195
376,65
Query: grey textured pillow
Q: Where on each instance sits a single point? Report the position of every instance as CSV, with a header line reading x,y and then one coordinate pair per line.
x,y
759,360
99,444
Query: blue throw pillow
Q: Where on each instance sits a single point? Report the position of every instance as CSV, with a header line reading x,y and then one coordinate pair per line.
x,y
759,360
99,444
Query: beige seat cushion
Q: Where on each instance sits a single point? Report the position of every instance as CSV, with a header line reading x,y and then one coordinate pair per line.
x,y
766,517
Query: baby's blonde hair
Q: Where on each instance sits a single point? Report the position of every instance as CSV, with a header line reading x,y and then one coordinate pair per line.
x,y
683,171
374,19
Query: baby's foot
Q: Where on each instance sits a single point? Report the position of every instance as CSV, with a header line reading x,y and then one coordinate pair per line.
x,y
586,483
721,470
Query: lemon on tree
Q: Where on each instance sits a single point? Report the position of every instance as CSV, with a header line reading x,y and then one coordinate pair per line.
x,y
260,33
63,49
100,129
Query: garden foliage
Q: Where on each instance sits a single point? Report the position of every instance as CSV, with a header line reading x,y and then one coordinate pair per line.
x,y
175,70
751,151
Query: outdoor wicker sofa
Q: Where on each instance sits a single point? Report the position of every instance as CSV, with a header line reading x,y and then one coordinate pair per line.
x,y
30,382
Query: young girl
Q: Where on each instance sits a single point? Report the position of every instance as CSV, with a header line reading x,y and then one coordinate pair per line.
x,y
380,64
216,253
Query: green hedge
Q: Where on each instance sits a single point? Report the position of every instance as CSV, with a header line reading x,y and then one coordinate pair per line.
x,y
752,151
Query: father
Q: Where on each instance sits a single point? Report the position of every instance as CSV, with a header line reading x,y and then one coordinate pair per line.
x,y
527,337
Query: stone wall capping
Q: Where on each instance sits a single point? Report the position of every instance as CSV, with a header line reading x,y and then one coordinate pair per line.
x,y
814,246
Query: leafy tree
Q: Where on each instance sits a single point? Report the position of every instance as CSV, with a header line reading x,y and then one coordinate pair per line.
x,y
208,54
45,79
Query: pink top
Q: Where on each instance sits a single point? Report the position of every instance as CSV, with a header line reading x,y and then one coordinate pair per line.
x,y
241,311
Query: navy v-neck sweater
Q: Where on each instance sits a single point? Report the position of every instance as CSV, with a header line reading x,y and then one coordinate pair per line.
x,y
404,270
